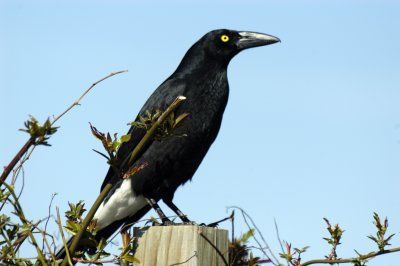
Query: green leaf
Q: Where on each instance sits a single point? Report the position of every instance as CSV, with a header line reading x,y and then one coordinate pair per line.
x,y
72,227
284,256
75,211
302,250
387,239
24,230
179,119
125,138
247,235
40,133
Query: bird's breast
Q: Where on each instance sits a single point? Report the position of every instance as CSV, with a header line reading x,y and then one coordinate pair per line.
x,y
204,120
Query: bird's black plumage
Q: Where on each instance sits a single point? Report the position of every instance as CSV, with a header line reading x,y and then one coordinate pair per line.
x,y
202,78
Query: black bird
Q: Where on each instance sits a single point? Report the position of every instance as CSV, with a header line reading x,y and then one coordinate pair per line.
x,y
202,78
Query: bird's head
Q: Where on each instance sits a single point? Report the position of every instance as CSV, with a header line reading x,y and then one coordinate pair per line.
x,y
220,46
226,44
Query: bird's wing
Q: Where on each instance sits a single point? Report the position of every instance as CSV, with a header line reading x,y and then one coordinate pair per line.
x,y
161,98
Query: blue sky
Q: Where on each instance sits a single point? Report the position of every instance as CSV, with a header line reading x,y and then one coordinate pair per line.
x,y
312,127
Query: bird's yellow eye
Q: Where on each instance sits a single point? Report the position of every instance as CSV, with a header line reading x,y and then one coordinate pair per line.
x,y
224,38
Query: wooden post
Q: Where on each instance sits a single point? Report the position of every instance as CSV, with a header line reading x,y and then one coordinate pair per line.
x,y
186,245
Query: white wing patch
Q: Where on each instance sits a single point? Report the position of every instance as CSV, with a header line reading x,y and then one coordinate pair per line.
x,y
122,203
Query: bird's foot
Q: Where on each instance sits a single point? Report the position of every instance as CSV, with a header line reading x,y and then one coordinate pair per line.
x,y
208,225
200,224
188,222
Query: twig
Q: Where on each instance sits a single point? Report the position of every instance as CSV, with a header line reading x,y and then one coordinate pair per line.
x,y
233,227
21,163
16,171
32,140
245,214
7,240
351,260
21,215
83,95
18,243
109,186
279,238
23,182
49,248
48,217
15,160
30,143
216,248
63,237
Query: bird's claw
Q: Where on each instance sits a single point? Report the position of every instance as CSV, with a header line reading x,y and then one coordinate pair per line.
x,y
189,223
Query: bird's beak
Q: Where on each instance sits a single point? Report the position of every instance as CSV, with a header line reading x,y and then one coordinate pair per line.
x,y
249,39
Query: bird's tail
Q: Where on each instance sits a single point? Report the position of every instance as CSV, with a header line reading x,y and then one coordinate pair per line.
x,y
104,233
108,231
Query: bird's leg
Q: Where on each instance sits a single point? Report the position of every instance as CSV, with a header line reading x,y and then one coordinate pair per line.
x,y
178,212
161,214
